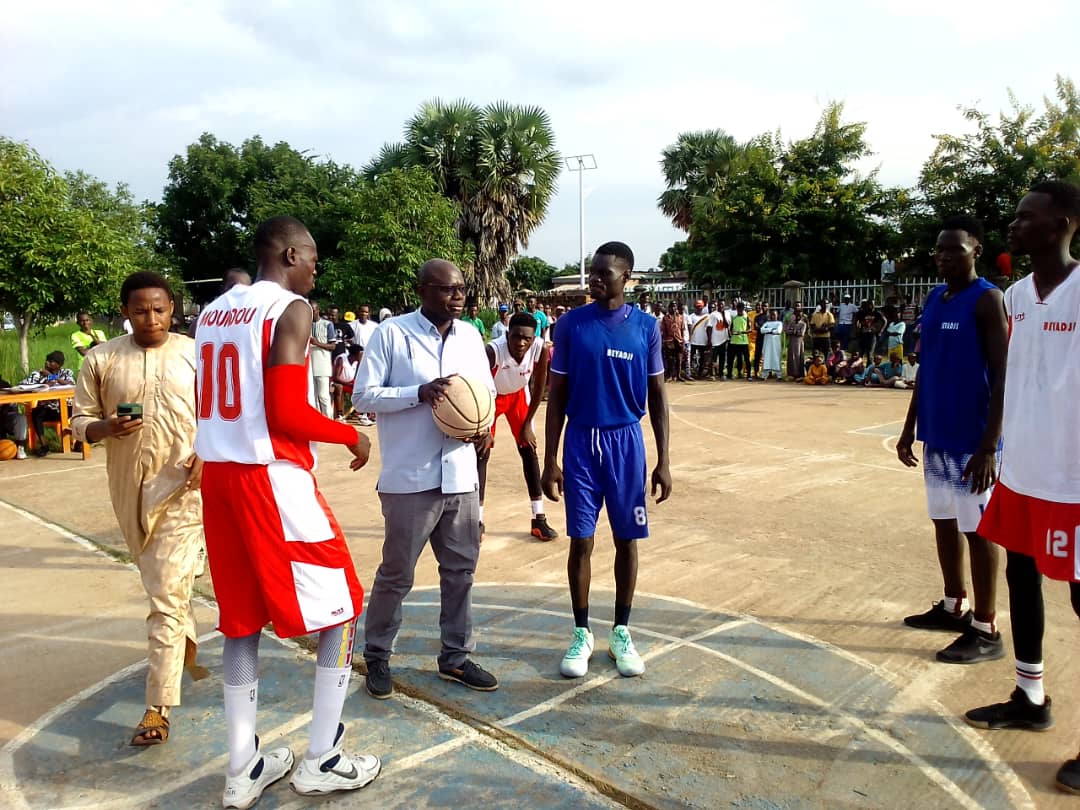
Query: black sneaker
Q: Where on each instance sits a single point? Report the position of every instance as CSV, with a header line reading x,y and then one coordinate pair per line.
x,y
541,529
972,647
1068,777
938,618
1017,712
379,683
471,675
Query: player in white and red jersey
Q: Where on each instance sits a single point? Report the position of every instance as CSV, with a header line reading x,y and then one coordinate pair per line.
x,y
1035,509
276,552
519,363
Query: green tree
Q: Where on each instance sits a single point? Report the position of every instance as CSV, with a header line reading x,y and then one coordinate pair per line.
x,y
499,163
695,166
63,246
398,221
985,173
217,194
531,273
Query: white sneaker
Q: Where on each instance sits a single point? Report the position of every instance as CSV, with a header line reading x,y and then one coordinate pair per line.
x,y
364,421
623,653
264,769
334,770
576,661
20,452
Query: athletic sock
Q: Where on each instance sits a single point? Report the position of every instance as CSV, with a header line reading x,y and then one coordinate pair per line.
x,y
481,513
1029,677
538,507
581,617
622,614
331,686
241,706
989,626
957,605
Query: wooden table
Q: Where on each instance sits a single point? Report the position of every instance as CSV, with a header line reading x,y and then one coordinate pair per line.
x,y
28,399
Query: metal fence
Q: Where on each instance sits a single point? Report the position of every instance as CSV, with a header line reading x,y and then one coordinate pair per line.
x,y
913,290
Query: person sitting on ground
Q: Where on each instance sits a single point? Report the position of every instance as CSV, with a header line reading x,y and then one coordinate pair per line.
x,y
861,367
908,373
52,375
834,358
882,373
817,373
13,424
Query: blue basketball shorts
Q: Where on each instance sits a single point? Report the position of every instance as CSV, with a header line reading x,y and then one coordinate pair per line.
x,y
605,466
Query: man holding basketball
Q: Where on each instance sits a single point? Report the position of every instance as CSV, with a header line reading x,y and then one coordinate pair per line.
x,y
607,369
519,363
428,484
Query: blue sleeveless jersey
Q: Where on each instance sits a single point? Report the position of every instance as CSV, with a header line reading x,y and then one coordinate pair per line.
x,y
954,381
607,358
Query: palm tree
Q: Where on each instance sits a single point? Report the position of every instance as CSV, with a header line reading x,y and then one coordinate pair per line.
x,y
499,163
694,166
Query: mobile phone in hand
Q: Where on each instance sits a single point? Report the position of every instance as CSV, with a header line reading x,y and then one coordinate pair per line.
x,y
132,409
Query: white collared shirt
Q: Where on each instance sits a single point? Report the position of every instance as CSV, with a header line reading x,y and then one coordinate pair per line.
x,y
403,354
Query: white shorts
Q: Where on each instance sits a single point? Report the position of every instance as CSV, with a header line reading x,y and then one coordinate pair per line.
x,y
948,496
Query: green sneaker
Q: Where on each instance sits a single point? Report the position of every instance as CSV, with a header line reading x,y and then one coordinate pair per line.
x,y
622,652
576,661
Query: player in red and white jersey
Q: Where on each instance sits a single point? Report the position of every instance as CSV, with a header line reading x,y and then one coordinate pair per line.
x,y
519,363
1034,512
276,552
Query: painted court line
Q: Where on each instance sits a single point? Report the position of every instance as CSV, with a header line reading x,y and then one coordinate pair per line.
x,y
50,472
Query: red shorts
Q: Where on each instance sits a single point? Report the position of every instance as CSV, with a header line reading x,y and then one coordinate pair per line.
x,y
1046,530
515,407
276,553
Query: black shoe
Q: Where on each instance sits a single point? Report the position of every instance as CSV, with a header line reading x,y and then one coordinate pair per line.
x,y
541,529
471,675
937,618
379,683
481,531
41,451
1017,712
1068,777
972,647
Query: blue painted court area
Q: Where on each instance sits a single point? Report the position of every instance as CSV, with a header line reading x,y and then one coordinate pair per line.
x,y
730,713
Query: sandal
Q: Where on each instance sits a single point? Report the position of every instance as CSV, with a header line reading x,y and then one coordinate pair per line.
x,y
153,730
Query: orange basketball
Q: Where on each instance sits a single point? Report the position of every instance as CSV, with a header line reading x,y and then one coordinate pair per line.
x,y
467,409
7,449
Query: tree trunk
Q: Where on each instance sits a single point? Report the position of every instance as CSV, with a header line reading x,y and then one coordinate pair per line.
x,y
25,321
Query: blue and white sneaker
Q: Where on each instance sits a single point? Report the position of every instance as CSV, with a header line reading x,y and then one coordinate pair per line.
x,y
623,653
575,663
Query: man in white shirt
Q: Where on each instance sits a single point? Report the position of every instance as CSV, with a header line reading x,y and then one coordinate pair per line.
x,y
718,333
428,484
322,344
363,327
698,324
844,318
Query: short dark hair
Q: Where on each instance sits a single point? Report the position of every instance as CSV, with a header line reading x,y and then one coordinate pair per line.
x,y
619,250
275,233
55,357
80,313
143,280
522,319
966,223
1063,196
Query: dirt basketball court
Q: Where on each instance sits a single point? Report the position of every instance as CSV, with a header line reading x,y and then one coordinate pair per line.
x,y
772,589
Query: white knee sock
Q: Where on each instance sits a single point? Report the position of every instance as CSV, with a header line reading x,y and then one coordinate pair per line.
x,y
241,706
331,685
1029,677
538,507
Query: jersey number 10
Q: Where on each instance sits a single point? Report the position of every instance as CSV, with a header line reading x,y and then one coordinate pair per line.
x,y
221,381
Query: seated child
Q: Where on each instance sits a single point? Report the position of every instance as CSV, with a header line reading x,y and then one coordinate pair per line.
x,y
883,372
818,373
836,356
908,373
848,370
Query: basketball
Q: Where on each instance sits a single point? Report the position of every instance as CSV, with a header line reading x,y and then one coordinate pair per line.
x,y
7,449
466,410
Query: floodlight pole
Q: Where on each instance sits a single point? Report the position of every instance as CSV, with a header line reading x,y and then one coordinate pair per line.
x,y
580,164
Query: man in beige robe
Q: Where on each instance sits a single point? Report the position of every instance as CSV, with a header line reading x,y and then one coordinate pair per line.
x,y
153,477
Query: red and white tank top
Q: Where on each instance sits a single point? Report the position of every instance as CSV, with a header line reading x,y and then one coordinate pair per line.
x,y
1041,431
233,344
510,375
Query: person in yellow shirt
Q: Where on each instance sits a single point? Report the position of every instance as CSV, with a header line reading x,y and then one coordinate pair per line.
x,y
818,373
85,338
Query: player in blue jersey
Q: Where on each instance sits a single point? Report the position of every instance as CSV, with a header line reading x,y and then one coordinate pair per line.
x,y
607,367
957,408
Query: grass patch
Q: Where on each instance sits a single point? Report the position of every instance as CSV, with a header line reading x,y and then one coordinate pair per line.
x,y
53,338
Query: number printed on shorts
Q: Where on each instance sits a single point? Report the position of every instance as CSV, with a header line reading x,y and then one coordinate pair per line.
x,y
1057,542
640,516
221,381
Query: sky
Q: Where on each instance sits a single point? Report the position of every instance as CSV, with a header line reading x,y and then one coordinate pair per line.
x,y
118,88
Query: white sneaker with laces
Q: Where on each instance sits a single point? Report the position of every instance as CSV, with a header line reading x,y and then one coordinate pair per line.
x,y
244,790
623,653
334,770
20,452
575,663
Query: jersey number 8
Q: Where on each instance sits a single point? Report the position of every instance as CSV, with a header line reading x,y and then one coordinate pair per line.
x,y
221,381
640,516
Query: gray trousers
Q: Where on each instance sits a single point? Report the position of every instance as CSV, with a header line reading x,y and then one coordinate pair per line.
x,y
452,524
